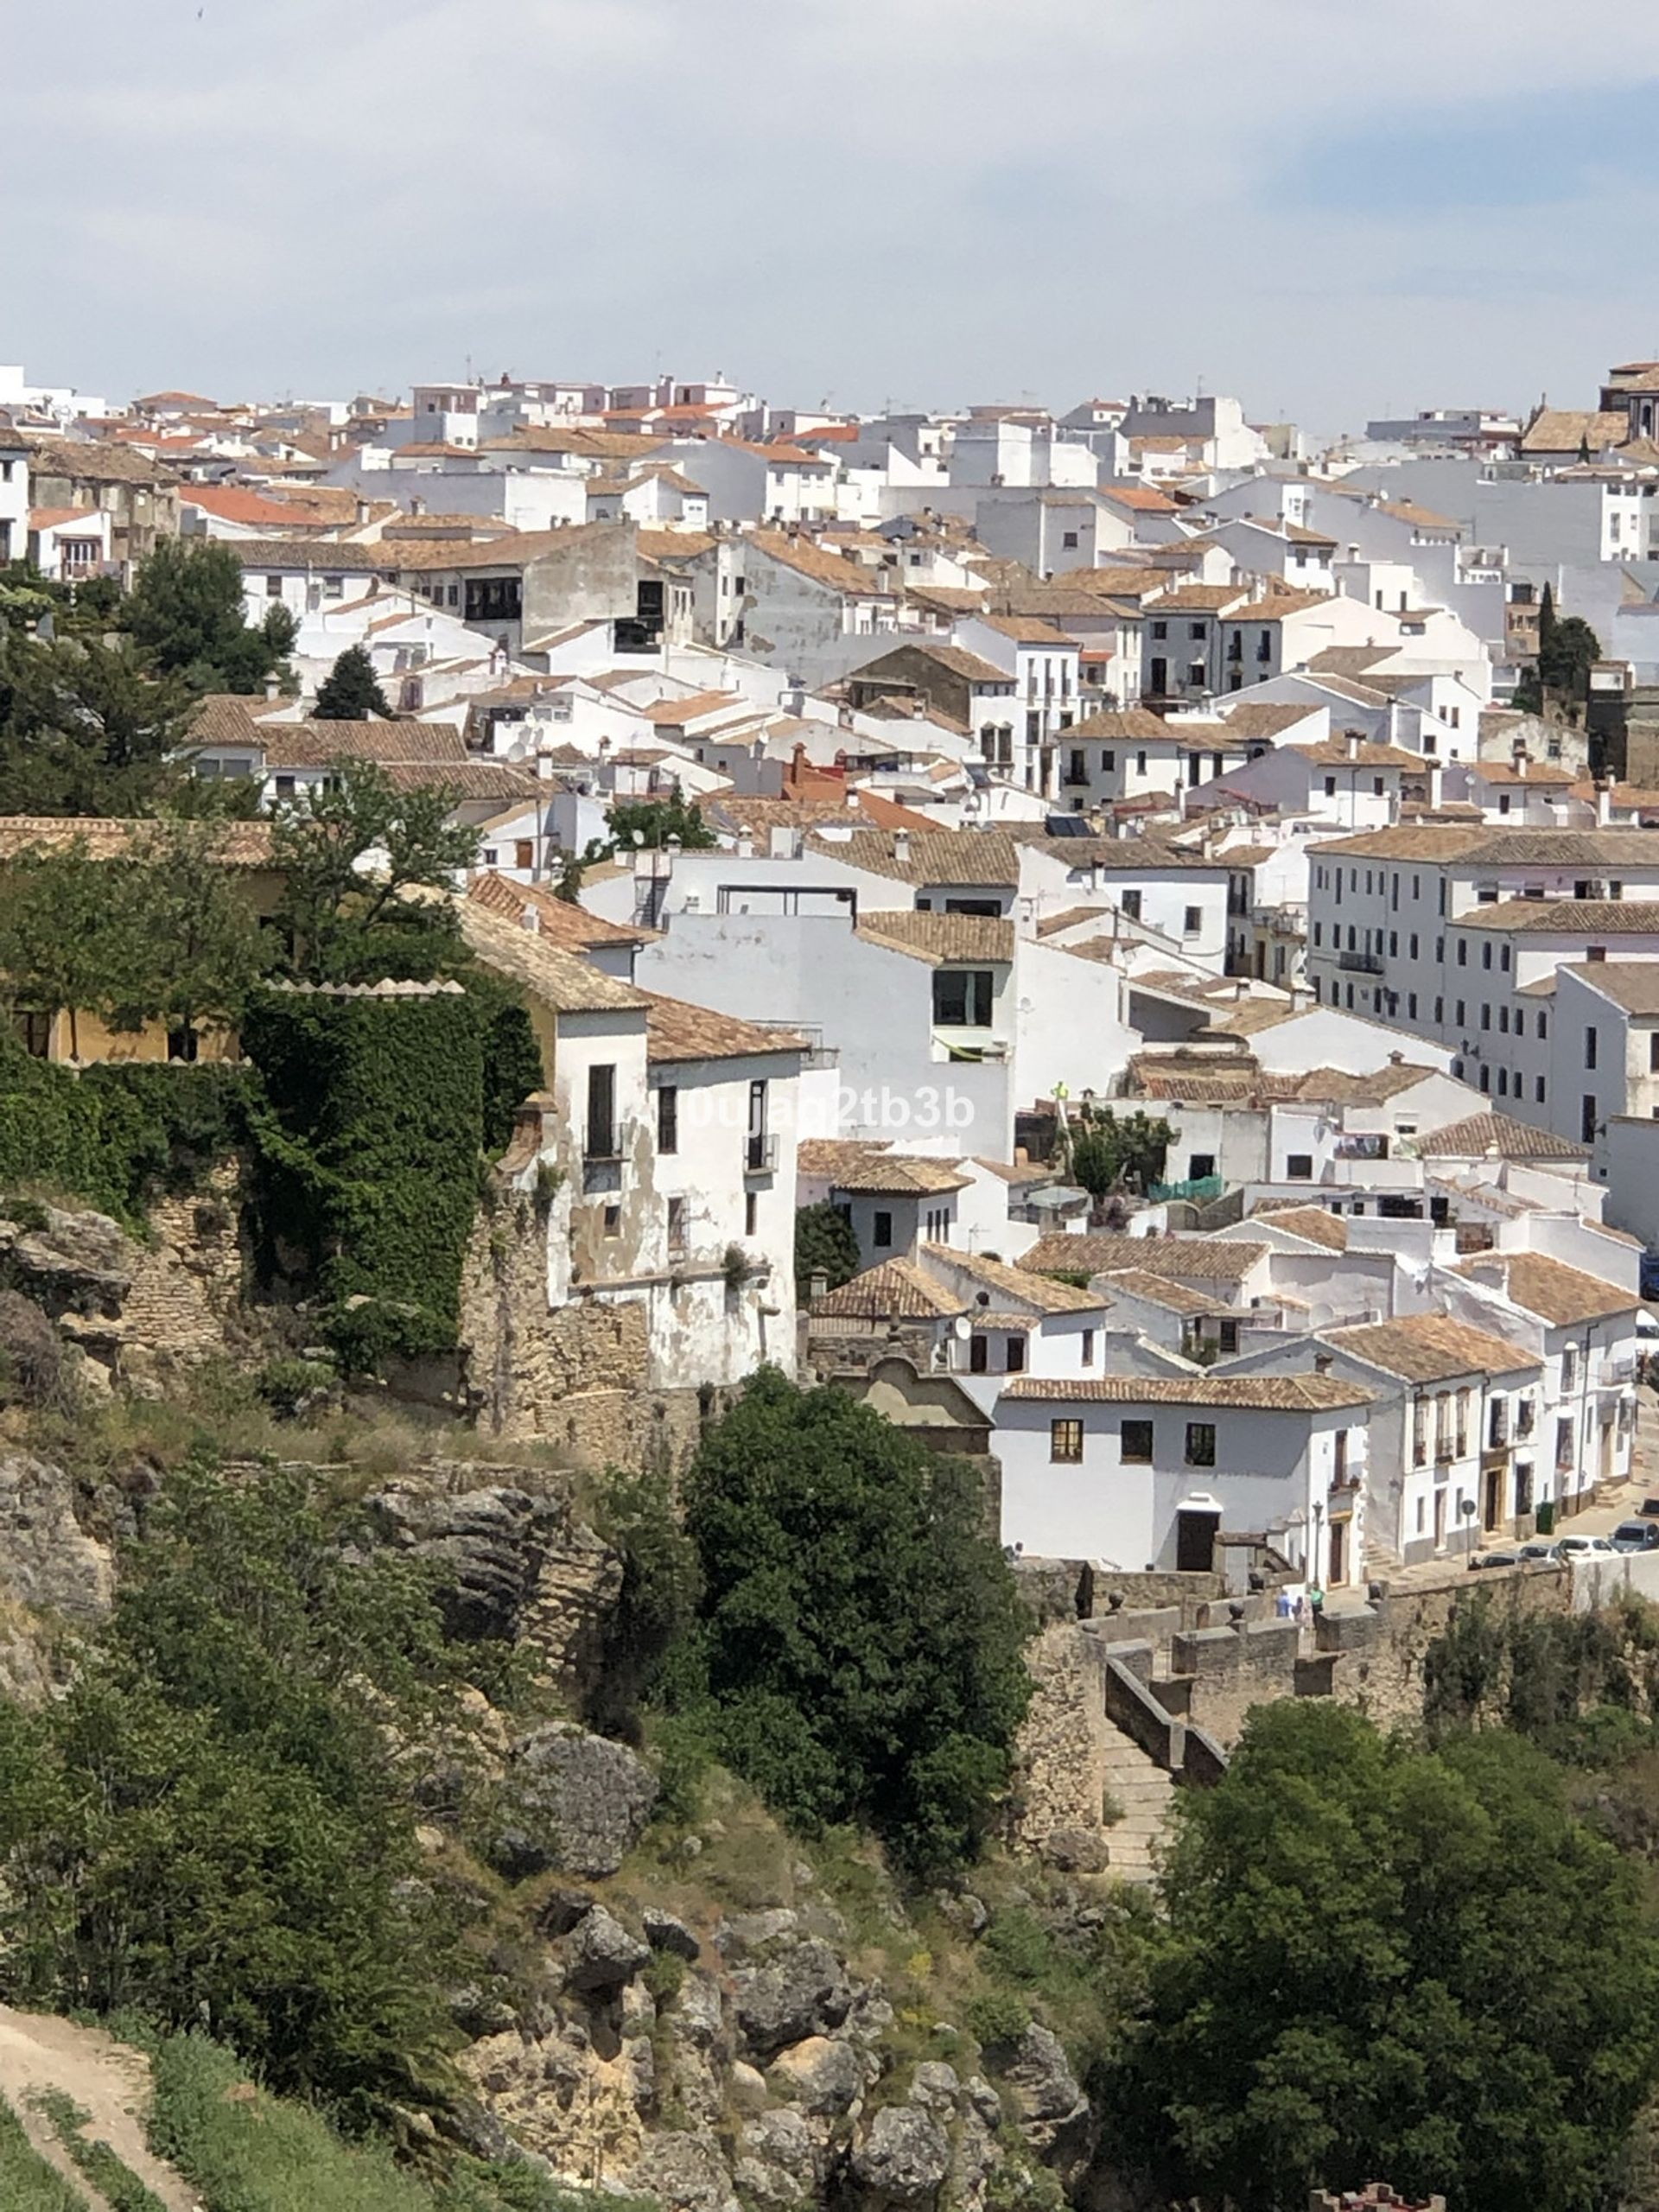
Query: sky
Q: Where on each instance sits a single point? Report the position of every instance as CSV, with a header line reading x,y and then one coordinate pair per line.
x,y
1336,209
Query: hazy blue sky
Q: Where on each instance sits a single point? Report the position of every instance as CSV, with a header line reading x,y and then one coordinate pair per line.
x,y
1329,206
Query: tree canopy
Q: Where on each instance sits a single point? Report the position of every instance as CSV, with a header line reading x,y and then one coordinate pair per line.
x,y
1106,1152
653,822
859,1639
351,691
1383,1960
186,615
352,852
825,1244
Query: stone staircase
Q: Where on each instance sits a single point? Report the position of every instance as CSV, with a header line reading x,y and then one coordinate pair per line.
x,y
1145,1792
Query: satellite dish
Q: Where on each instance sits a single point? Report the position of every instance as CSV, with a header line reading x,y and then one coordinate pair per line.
x,y
962,1327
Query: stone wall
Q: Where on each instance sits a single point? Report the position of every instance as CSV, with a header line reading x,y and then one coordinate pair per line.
x,y
1061,1759
575,1374
185,1302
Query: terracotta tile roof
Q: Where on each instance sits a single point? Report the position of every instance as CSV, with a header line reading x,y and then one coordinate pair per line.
x,y
1561,429
938,938
1561,1295
1279,607
233,503
1073,917
1026,630
236,844
1524,771
1430,1348
1205,1259
1312,1224
1018,1171
1336,753
849,1165
562,981
399,744
1017,1283
1139,498
1122,726
1199,599
1575,917
558,920
1286,1394
1158,1290
672,713
1258,718
831,569
1631,984
94,461
1516,848
955,660
937,858
1480,1134
676,1030
896,1290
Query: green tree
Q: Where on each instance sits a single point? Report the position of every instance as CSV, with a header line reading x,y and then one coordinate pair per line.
x,y
651,822
825,1244
647,1628
1573,650
1386,1962
62,949
353,854
1106,1152
351,691
85,729
214,1824
186,615
196,946
860,1637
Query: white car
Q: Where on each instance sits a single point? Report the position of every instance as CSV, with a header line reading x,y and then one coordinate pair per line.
x,y
1587,1548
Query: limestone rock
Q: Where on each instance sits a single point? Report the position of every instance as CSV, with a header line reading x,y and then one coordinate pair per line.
x,y
801,1990
601,1955
817,2075
697,2012
934,2085
1050,2107
782,2165
665,1933
748,1934
80,1262
904,2157
570,1800
45,1559
685,2173
1076,1851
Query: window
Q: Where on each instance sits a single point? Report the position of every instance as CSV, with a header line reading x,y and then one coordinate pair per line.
x,y
1420,1431
668,1118
1229,1336
493,598
1065,1442
1131,904
1595,952
1463,952
1193,921
1411,1006
1486,954
1538,1089
1200,1444
881,1231
1543,1025
1135,1443
677,1228
334,587
1569,1370
273,587
979,1355
1087,1354
1195,675
962,998
1587,1118
1653,1052
1485,1016
1590,1046
613,1220
601,1113
1140,763
35,1029
523,852
1376,786
1299,1167
1016,1358
751,1212
1160,629
1068,541
1330,787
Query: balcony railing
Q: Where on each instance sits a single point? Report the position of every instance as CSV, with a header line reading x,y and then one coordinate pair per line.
x,y
761,1155
1361,964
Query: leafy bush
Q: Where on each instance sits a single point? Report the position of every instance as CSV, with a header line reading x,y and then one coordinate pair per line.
x,y
997,2019
859,1639
655,1607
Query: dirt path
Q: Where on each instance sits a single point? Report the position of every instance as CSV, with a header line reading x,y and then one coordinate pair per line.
x,y
110,2081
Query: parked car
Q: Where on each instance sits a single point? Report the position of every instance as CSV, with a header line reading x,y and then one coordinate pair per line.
x,y
1538,1548
1648,1509
1636,1536
1504,1555
1585,1548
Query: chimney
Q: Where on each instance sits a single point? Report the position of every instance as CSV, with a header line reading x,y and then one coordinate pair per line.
x,y
1396,1059
901,847
1604,802
362,512
817,1285
1352,739
273,689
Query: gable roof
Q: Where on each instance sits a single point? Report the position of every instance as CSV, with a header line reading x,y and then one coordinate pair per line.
x,y
1253,1392
559,921
1480,1134
896,1290
937,938
1550,1289
1208,1259
677,1030
1430,1348
852,1163
934,858
1019,1283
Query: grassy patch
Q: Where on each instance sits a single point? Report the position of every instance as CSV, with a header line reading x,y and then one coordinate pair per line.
x,y
27,2182
107,2173
248,2152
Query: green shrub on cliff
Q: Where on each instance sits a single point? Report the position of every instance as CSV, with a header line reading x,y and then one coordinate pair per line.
x,y
859,1637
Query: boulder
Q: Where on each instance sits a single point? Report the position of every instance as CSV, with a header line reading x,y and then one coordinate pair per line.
x,y
1076,1851
488,1546
800,1989
683,2173
1050,2108
600,1954
80,1262
695,2011
748,1934
817,2075
665,1933
781,2165
904,2157
571,1800
934,2085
